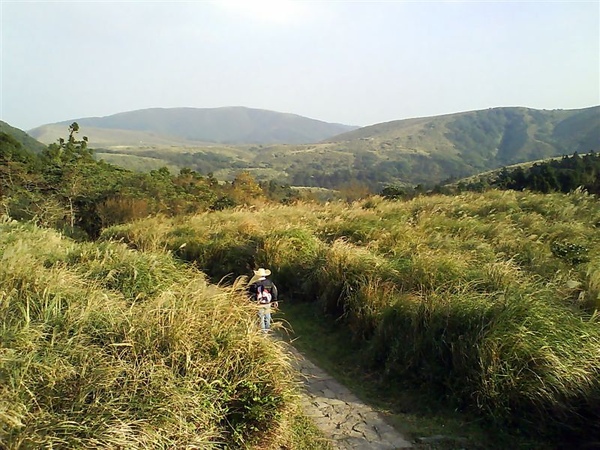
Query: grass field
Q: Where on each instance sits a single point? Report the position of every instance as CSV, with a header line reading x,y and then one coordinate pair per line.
x,y
486,301
479,305
105,347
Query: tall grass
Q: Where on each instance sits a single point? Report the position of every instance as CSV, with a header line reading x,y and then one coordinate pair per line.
x,y
487,299
104,347
293,253
517,357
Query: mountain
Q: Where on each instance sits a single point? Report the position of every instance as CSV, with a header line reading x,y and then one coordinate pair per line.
x,y
486,138
180,126
431,149
26,140
426,150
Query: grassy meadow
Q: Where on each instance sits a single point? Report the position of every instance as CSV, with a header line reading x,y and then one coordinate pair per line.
x,y
488,300
105,347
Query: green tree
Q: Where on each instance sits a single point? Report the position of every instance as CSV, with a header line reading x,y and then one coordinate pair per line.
x,y
70,172
69,150
393,192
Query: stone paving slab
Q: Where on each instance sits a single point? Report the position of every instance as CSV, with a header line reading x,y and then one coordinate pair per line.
x,y
340,415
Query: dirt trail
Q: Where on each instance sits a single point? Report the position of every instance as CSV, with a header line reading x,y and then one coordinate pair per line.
x,y
347,421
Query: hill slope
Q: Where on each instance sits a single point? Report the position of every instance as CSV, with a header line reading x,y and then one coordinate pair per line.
x,y
424,150
486,138
26,140
432,149
231,125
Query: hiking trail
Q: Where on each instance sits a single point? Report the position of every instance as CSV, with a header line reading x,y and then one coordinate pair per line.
x,y
344,419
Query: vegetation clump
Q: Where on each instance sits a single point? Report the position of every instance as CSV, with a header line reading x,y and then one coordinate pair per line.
x,y
488,300
565,174
104,347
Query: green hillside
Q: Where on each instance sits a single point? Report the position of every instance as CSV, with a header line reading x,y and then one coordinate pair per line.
x,y
135,163
111,138
26,140
230,125
405,152
482,140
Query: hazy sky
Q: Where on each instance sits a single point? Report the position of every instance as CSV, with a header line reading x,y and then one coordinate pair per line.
x,y
356,63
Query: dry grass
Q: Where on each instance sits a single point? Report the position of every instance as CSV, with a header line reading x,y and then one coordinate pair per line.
x,y
488,298
104,347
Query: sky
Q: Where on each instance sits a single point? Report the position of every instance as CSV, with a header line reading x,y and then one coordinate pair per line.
x,y
350,62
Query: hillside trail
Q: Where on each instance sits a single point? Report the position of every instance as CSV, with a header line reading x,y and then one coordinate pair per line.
x,y
344,419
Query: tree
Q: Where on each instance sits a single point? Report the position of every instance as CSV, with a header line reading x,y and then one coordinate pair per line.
x,y
69,170
245,189
69,150
393,192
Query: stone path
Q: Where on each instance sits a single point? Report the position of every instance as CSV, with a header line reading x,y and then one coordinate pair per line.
x,y
348,422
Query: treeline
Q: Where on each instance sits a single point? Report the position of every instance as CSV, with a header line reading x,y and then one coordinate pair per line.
x,y
64,187
375,174
560,175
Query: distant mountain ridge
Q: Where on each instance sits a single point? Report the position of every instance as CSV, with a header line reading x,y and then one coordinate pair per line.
x,y
431,150
426,150
484,139
227,125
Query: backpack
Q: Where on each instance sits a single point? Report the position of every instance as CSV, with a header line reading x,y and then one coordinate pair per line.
x,y
263,294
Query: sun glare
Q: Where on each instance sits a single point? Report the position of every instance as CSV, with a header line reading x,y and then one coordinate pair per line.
x,y
266,10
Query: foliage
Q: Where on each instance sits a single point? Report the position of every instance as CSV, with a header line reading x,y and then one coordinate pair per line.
x,y
564,175
66,188
486,299
104,347
573,253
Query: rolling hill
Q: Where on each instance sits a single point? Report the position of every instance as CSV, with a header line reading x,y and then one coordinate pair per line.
x,y
193,126
496,136
427,150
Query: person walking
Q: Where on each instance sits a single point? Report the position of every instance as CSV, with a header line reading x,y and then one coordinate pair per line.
x,y
264,292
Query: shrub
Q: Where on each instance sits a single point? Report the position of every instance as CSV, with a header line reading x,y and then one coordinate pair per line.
x,y
83,366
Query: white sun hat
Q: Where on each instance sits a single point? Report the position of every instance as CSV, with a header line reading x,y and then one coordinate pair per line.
x,y
262,272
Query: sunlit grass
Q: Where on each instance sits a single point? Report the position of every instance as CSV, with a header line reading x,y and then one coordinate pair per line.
x,y
106,347
487,298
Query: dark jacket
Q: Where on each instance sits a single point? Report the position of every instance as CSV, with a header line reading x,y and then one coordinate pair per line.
x,y
268,284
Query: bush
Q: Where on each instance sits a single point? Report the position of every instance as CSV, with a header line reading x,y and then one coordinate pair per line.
x,y
504,356
82,365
